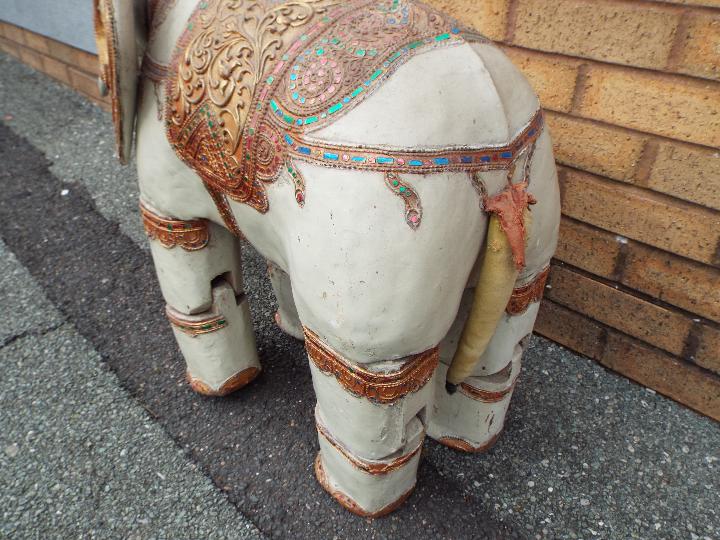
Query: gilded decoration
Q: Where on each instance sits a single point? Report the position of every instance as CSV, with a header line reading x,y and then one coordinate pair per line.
x,y
190,235
234,383
380,387
195,327
528,294
370,467
106,37
251,80
349,504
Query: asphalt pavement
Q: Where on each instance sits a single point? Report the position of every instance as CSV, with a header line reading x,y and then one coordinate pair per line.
x,y
101,438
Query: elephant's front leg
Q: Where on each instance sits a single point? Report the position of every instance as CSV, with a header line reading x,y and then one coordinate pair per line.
x,y
199,269
371,425
286,316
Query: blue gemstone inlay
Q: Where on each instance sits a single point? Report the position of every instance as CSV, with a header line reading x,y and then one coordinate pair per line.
x,y
329,155
441,161
385,160
359,159
303,150
485,159
293,76
288,139
506,155
415,163
466,159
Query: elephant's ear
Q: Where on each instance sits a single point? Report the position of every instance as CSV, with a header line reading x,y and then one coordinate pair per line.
x,y
115,33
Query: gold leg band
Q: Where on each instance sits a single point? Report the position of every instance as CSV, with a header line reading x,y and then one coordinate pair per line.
x,y
370,467
380,387
528,294
189,235
195,325
349,504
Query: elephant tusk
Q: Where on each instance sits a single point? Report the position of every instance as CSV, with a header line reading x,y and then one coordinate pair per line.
x,y
498,275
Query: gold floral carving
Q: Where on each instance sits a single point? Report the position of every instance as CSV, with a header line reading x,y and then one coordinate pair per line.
x,y
370,467
380,387
195,327
528,294
348,503
190,235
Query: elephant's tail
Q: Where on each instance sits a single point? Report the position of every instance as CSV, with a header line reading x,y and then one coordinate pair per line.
x,y
504,257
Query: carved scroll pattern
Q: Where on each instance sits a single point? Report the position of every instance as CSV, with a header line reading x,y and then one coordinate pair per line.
x,y
380,387
528,294
189,235
413,208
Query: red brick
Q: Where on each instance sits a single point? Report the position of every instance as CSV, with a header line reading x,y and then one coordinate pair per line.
x,y
553,78
618,32
668,105
596,148
683,382
708,352
631,315
678,281
671,225
588,248
570,329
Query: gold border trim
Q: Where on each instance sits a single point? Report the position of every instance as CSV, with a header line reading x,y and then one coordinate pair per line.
x,y
190,235
349,504
486,396
380,387
461,445
370,467
528,294
234,383
195,327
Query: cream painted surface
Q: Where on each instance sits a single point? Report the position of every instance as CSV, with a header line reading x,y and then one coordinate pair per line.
x,y
215,357
462,417
286,316
185,276
373,492
351,268
368,429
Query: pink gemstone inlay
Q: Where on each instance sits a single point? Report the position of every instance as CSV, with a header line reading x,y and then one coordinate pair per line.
x,y
323,60
401,161
331,89
414,218
346,157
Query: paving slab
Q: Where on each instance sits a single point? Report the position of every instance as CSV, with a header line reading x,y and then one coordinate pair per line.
x,y
585,454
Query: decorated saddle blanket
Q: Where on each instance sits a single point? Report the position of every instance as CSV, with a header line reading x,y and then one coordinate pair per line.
x,y
250,80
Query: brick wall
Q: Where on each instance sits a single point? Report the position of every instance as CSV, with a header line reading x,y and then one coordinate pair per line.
x,y
73,67
632,98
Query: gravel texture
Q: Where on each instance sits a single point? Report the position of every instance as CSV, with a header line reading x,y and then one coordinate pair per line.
x,y
585,454
78,456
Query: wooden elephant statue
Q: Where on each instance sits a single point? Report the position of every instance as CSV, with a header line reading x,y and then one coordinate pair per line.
x,y
394,169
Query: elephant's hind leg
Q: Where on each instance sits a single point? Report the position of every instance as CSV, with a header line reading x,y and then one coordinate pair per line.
x,y
199,269
472,419
371,426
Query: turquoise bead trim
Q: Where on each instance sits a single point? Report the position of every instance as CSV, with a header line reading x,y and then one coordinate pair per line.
x,y
334,108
